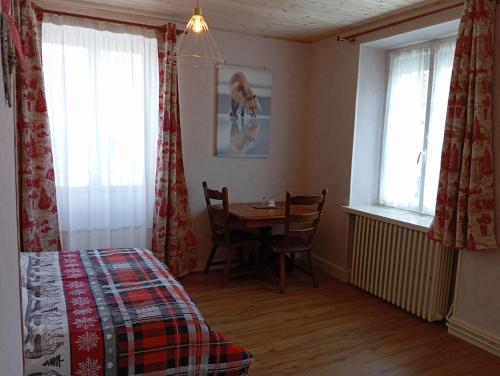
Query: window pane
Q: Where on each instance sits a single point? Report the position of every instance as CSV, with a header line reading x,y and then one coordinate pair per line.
x,y
443,65
405,128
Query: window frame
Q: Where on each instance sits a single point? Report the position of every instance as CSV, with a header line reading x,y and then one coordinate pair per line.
x,y
431,44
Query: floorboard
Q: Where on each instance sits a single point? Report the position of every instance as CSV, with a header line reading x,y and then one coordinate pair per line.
x,y
335,329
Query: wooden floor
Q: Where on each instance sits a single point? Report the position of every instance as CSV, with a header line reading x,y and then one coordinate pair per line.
x,y
332,330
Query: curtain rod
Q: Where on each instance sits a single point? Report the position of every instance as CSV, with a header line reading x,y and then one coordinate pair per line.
x,y
162,28
352,37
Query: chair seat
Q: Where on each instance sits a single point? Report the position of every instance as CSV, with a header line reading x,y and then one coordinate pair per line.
x,y
294,244
238,237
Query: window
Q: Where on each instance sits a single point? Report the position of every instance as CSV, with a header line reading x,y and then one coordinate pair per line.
x,y
417,97
101,83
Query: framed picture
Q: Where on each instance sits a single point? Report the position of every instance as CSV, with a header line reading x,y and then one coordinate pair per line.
x,y
243,111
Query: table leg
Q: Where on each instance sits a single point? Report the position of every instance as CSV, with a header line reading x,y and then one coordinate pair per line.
x,y
282,273
265,234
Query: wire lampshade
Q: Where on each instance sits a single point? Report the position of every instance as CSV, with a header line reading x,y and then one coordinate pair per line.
x,y
196,47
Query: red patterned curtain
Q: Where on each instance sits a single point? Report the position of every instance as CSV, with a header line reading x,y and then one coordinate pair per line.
x,y
37,190
173,237
465,215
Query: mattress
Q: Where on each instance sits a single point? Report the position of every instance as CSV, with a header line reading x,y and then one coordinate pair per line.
x,y
116,312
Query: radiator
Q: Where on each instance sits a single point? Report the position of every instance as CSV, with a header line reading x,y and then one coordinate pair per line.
x,y
403,267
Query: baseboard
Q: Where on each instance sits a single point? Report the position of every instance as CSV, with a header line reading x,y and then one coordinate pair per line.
x,y
201,266
326,266
329,267
473,335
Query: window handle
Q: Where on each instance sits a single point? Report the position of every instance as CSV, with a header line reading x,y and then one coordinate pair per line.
x,y
421,155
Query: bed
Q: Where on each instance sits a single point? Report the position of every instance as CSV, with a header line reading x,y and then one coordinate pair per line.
x,y
116,312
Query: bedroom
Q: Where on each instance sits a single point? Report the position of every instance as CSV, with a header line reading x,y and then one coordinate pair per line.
x,y
328,118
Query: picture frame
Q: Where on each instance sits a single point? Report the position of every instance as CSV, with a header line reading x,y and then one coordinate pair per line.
x,y
244,97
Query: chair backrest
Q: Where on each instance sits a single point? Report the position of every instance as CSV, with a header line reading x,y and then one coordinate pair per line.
x,y
302,216
218,212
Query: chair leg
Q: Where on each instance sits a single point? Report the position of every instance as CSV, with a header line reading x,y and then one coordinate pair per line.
x,y
210,258
315,281
262,252
292,261
240,254
282,273
229,258
260,261
265,234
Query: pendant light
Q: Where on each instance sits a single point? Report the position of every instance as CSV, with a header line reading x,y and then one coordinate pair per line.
x,y
196,47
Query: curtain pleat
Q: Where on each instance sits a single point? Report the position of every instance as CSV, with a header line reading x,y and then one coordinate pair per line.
x,y
37,190
173,236
465,217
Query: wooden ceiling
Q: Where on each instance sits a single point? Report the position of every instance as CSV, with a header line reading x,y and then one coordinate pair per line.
x,y
299,20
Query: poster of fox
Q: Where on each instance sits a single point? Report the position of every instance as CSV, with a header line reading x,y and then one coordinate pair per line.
x,y
243,112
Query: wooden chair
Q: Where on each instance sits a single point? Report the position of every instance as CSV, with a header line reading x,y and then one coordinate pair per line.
x,y
222,235
300,227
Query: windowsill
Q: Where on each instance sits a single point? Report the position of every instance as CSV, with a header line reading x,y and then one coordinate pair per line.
x,y
419,222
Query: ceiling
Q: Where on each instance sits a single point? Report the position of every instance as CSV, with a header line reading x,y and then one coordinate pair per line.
x,y
300,20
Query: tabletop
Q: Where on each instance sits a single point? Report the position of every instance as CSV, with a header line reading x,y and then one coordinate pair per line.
x,y
251,217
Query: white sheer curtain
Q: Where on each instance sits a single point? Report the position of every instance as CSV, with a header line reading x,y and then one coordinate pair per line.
x,y
419,82
102,97
404,130
443,66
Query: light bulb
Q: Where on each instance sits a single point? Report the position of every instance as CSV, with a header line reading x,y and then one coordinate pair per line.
x,y
198,24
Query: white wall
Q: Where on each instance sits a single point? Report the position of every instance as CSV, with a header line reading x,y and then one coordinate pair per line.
x,y
10,311
368,130
247,178
334,74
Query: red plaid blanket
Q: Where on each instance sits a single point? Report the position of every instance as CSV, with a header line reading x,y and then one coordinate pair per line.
x,y
116,312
